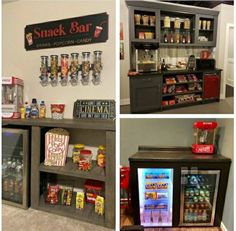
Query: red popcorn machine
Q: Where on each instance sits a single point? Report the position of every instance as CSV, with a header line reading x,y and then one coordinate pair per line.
x,y
204,133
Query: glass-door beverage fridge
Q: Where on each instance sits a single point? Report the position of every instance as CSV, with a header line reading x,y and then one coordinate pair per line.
x,y
172,187
155,196
15,167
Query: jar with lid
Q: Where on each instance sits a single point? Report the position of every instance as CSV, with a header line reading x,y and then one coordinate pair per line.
x,y
76,152
177,23
74,68
186,23
44,70
85,160
101,156
54,69
64,69
97,67
85,67
167,22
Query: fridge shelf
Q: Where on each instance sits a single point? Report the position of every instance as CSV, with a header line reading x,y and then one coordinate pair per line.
x,y
71,169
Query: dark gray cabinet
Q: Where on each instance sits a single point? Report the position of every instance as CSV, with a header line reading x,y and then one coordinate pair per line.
x,y
206,30
145,93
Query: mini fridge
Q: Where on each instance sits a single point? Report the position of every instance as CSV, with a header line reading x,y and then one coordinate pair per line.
x,y
171,187
15,167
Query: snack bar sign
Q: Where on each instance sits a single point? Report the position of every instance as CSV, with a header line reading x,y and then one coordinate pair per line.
x,y
67,32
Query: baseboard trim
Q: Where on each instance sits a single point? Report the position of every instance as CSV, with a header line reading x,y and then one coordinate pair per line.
x,y
222,226
124,102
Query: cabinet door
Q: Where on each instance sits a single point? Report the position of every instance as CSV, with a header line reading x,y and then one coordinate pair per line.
x,y
206,30
145,94
144,24
199,189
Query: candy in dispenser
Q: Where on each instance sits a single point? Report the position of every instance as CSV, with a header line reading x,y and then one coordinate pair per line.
x,y
54,70
64,69
12,97
204,133
97,67
44,70
74,68
85,160
85,67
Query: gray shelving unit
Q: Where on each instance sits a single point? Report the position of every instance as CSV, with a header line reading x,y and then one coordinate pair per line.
x,y
89,132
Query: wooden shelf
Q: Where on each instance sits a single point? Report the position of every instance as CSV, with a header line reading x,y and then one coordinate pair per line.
x,y
87,214
182,93
71,169
146,26
168,84
65,123
181,104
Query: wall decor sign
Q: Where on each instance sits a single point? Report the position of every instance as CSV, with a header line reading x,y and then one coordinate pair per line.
x,y
67,32
94,109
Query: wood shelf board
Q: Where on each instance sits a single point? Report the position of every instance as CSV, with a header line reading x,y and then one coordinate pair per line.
x,y
182,93
93,124
87,214
168,84
181,104
71,169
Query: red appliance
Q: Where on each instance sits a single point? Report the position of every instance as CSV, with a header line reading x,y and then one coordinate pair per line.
x,y
211,86
204,133
125,197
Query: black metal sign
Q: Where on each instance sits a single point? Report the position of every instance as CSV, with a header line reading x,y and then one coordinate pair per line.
x,y
67,32
94,109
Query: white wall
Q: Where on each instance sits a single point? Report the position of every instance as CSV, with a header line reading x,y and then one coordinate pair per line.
x,y
25,64
226,16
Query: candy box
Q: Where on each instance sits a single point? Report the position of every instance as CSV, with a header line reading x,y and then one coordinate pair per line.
x,y
92,190
56,147
52,194
99,205
80,200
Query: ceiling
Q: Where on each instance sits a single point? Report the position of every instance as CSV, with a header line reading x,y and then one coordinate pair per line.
x,y
208,4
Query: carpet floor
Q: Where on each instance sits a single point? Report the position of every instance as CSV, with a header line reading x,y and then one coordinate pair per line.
x,y
15,219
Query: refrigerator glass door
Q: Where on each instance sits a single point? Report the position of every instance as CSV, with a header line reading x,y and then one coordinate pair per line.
x,y
198,197
155,196
14,166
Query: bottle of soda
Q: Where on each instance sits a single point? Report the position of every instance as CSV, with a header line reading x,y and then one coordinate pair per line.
x,y
34,109
4,167
27,110
42,110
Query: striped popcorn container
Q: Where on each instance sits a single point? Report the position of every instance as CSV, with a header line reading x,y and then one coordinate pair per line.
x,y
56,147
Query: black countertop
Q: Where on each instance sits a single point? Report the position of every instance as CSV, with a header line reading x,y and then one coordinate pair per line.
x,y
170,72
175,154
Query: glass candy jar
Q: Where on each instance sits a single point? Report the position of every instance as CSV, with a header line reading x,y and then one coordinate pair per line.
x,y
74,68
76,153
44,70
54,69
85,67
97,67
85,160
64,69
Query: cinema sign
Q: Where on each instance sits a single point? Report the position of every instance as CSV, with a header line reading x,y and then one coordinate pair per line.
x,y
67,32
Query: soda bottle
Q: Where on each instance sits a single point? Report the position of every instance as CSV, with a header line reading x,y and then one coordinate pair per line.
x,y
42,110
13,167
27,110
34,109
4,167
9,162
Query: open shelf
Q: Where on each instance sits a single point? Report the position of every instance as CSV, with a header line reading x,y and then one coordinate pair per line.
x,y
182,93
188,82
87,214
71,169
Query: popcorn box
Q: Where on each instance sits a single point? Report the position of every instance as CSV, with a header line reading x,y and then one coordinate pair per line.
x,y
56,147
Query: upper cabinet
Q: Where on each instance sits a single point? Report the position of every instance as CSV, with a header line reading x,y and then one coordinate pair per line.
x,y
172,25
144,25
206,30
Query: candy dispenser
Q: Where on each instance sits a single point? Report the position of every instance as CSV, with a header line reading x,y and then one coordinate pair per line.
x,y
12,97
44,71
64,69
54,70
85,67
97,67
204,133
74,68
